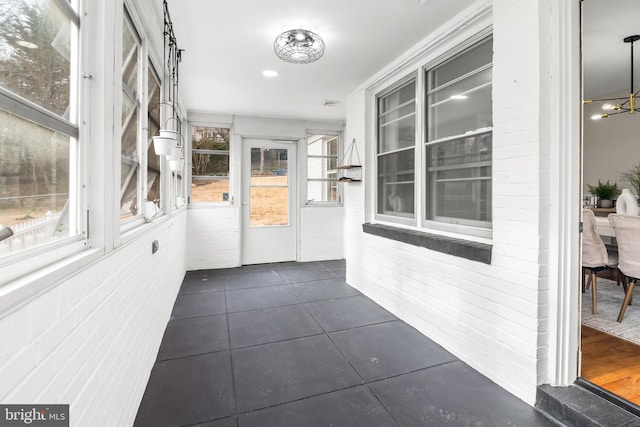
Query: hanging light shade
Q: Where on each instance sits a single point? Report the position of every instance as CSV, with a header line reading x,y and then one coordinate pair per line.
x,y
164,143
175,153
299,46
615,106
176,165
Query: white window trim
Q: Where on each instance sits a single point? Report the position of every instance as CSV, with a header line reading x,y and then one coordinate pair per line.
x,y
418,67
302,161
27,273
189,165
24,262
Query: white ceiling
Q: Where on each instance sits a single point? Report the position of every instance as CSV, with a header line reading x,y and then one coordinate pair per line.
x,y
229,43
606,58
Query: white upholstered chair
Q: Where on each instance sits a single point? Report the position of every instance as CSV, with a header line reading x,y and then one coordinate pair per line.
x,y
595,256
627,230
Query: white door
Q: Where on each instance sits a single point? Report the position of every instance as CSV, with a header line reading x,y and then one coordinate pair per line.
x,y
268,201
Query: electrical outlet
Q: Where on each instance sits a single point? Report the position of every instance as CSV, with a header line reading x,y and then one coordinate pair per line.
x,y
155,246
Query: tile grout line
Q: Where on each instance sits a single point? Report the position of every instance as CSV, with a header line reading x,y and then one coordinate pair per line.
x,y
233,377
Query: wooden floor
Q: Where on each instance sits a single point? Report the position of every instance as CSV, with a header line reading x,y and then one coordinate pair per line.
x,y
611,363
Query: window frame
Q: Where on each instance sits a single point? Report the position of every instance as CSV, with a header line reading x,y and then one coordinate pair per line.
x,y
468,227
139,163
338,188
25,261
230,178
468,231
413,77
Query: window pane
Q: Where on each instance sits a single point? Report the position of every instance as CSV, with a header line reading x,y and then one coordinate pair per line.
x,y
396,119
129,184
34,183
35,52
470,200
209,191
396,184
129,57
398,134
210,164
206,138
470,60
457,116
153,124
322,160
460,175
459,170
129,150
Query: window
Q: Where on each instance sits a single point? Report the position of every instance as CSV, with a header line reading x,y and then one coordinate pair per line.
x,y
322,175
129,151
153,126
446,180
38,131
396,151
458,147
210,163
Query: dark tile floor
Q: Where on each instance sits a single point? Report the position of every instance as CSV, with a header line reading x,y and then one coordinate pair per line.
x,y
293,345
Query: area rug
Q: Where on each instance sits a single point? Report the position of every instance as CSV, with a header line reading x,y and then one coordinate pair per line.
x,y
610,298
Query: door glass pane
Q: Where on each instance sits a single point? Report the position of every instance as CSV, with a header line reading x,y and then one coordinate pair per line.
x,y
269,206
269,192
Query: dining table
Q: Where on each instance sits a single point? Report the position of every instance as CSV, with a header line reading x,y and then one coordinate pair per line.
x,y
604,227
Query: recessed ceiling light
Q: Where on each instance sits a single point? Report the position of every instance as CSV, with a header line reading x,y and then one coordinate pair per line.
x,y
458,97
269,73
26,44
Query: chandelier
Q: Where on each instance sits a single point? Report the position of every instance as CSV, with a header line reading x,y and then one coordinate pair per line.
x,y
614,106
299,46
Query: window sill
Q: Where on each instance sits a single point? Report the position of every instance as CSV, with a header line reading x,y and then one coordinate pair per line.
x,y
474,251
19,291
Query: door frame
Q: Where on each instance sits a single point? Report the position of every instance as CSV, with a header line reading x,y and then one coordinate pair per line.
x,y
294,190
564,124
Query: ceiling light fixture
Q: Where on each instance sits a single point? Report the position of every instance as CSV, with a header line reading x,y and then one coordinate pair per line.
x,y
270,73
299,46
629,104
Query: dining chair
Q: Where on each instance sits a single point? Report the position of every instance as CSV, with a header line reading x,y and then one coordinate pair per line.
x,y
595,256
627,229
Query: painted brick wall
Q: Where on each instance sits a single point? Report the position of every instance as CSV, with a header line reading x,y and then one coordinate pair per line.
x,y
321,233
488,315
91,340
213,236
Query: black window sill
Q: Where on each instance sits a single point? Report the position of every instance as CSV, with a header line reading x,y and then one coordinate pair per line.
x,y
473,251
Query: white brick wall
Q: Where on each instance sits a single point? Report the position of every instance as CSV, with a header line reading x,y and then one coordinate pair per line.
x,y
493,317
213,236
91,340
321,233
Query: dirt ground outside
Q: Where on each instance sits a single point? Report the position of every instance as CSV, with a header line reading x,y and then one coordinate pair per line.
x,y
269,205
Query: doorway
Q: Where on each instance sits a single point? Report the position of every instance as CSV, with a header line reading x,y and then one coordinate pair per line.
x,y
610,349
269,189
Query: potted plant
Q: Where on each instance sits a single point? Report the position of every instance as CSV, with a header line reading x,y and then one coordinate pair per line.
x,y
605,193
632,176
